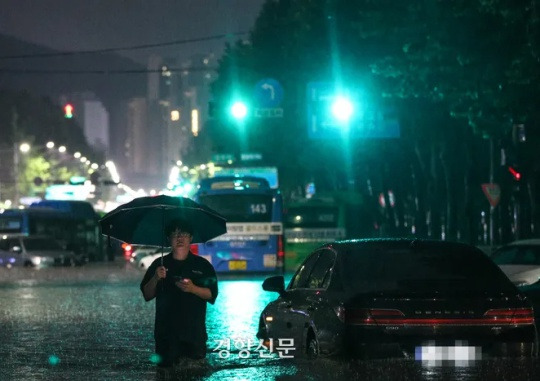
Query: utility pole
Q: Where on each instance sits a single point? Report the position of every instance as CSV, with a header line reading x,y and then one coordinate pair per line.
x,y
14,137
16,174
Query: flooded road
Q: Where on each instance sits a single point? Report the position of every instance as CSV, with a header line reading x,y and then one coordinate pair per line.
x,y
91,323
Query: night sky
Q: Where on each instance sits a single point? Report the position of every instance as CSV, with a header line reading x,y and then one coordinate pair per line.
x,y
99,24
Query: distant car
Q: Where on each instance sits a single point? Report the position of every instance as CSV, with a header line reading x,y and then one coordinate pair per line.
x,y
520,261
145,262
139,252
390,297
37,251
9,259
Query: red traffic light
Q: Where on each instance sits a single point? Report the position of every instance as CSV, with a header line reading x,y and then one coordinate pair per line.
x,y
516,174
68,111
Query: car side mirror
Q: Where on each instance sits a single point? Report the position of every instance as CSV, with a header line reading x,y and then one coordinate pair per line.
x,y
275,284
16,249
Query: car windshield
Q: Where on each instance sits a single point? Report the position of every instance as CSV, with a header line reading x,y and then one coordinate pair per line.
x,y
518,255
423,272
37,244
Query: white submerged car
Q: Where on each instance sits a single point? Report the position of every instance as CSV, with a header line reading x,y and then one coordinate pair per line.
x,y
147,260
520,261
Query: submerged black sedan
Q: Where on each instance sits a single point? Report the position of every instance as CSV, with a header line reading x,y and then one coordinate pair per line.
x,y
399,297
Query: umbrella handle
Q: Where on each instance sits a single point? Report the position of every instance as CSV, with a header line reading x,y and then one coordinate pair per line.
x,y
162,232
162,239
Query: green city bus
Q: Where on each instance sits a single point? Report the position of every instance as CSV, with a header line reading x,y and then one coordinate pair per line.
x,y
308,224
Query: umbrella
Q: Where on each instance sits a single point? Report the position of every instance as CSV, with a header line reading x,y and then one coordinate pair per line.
x,y
142,221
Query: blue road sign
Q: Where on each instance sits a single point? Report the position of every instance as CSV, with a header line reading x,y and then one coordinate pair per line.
x,y
367,121
268,93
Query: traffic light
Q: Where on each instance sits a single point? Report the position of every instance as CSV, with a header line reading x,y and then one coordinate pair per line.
x,y
342,109
239,110
68,111
515,173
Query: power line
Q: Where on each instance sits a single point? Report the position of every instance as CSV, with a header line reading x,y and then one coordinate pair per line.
x,y
105,71
125,48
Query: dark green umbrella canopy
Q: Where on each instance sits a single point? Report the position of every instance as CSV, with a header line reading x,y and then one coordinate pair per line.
x,y
143,220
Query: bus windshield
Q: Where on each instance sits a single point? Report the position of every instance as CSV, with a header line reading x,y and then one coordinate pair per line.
x,y
40,244
312,217
241,207
10,224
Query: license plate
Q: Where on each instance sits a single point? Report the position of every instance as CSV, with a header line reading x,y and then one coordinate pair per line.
x,y
237,265
460,355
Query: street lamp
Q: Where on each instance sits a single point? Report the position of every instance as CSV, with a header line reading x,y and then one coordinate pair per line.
x,y
58,163
24,147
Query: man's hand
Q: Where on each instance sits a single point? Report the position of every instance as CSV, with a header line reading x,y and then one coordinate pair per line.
x,y
161,273
185,285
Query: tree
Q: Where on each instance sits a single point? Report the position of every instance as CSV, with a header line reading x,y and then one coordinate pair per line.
x,y
440,63
25,117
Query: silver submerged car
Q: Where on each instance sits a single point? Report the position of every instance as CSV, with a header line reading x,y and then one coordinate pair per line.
x,y
34,251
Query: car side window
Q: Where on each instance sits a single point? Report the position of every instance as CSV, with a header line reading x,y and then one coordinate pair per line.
x,y
301,277
12,243
321,273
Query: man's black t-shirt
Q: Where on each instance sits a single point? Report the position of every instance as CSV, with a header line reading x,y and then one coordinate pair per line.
x,y
179,314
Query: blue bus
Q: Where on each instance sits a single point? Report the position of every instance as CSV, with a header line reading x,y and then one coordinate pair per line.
x,y
72,223
254,213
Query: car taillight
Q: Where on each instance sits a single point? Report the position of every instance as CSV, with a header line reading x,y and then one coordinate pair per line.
x,y
372,316
280,250
502,316
194,248
510,316
128,250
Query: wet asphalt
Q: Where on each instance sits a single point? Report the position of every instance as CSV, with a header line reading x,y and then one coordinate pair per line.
x,y
92,323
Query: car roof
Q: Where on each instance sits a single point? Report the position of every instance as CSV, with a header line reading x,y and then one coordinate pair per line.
x,y
400,243
531,241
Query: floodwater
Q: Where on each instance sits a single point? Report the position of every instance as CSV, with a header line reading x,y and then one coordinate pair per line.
x,y
91,323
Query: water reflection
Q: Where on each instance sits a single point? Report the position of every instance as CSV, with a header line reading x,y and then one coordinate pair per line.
x,y
84,323
237,309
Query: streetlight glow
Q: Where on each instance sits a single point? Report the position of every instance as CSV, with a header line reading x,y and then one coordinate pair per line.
x,y
24,147
62,149
50,145
77,155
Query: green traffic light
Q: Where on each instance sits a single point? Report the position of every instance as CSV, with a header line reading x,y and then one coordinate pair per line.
x,y
342,109
239,110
